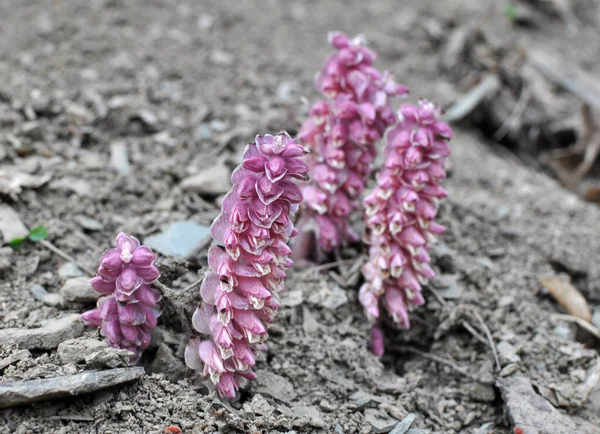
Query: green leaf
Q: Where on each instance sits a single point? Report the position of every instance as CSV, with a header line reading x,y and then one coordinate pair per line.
x,y
511,12
38,234
17,243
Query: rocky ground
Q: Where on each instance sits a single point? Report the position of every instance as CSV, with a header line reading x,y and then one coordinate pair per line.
x,y
129,115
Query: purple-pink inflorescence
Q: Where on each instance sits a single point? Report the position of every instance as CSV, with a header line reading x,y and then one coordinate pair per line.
x,y
342,132
248,262
128,312
400,213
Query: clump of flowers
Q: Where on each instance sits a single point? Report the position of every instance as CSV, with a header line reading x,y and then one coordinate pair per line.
x,y
248,262
128,312
341,132
400,213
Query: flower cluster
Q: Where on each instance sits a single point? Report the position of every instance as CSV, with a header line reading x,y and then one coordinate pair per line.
x,y
128,312
400,212
342,132
248,262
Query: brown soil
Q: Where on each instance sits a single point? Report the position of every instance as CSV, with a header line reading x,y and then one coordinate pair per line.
x,y
184,84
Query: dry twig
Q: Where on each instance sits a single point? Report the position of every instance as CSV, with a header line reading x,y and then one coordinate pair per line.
x,y
64,255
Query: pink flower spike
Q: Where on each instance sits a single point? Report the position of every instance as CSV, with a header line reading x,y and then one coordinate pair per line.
x,y
401,209
247,262
128,313
342,132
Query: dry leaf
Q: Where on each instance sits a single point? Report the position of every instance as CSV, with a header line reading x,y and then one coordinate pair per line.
x,y
569,297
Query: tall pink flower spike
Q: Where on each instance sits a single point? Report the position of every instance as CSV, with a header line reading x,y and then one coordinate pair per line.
x,y
342,132
400,213
128,312
248,262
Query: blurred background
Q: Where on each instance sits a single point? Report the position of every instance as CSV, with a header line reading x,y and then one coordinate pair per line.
x,y
128,115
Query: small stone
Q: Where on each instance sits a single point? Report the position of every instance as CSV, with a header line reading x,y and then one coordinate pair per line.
x,y
334,298
211,181
48,336
309,322
273,385
509,370
220,57
292,298
481,392
69,269
88,223
259,405
109,358
23,392
38,292
11,226
53,299
596,318
72,185
79,290
178,239
119,158
404,424
313,414
76,350
447,286
218,125
508,353
381,423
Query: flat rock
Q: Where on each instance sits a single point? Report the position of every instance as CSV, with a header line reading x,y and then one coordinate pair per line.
x,y
404,424
76,350
79,290
530,411
178,239
11,226
380,422
274,386
211,181
48,336
23,392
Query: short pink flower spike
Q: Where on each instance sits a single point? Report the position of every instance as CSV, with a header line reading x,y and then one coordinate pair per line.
x,y
247,262
342,132
128,312
400,213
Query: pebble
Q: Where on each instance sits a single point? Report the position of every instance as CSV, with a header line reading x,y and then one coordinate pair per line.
x,y
69,269
119,158
11,226
24,392
211,181
53,299
274,386
507,353
404,424
178,239
108,358
79,290
76,350
381,423
48,336
481,392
